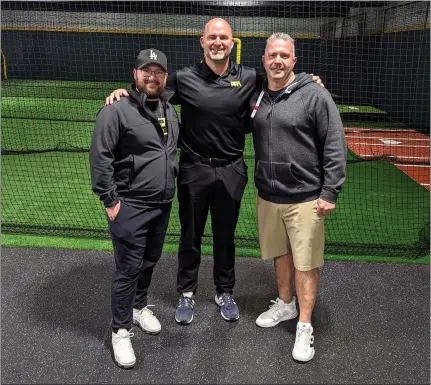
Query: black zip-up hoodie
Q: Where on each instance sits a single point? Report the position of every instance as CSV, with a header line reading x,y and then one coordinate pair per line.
x,y
299,144
130,158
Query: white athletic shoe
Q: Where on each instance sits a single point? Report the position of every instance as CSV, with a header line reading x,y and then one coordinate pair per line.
x,y
146,321
123,349
277,312
303,350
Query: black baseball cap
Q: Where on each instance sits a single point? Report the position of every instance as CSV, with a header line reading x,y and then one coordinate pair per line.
x,y
152,56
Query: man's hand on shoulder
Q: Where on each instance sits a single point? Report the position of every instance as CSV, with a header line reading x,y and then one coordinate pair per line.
x,y
116,95
317,80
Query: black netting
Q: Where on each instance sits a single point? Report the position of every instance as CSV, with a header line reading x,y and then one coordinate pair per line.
x,y
61,59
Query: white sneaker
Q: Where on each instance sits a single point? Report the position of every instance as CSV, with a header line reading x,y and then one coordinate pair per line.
x,y
146,321
304,343
277,312
123,349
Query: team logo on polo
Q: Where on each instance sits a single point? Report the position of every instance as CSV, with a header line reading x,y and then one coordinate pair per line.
x,y
153,55
235,83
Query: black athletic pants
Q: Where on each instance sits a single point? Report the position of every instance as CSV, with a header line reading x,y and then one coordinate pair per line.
x,y
137,236
204,188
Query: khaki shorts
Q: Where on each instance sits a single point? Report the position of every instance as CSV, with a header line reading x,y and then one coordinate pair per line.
x,y
293,229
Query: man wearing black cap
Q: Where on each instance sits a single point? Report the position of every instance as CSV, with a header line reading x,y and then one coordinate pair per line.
x,y
133,168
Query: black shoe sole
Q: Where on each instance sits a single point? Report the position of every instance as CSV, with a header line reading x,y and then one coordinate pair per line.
x,y
124,367
111,350
301,362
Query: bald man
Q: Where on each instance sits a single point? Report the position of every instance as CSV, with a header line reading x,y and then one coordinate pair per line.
x,y
214,97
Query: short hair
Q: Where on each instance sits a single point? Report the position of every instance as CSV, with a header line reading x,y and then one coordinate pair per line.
x,y
282,36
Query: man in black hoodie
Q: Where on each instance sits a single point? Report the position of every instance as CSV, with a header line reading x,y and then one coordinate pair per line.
x,y
300,152
133,168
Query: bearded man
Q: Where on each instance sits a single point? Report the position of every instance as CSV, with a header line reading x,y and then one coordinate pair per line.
x,y
133,168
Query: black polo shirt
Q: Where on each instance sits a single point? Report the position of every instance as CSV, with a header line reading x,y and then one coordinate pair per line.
x,y
213,108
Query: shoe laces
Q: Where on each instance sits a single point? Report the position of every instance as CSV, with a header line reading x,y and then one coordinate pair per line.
x,y
146,310
304,335
186,301
126,336
275,306
227,301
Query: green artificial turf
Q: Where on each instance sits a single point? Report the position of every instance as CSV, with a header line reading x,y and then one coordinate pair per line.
x,y
59,89
37,135
16,240
86,109
54,109
353,108
60,195
380,211
53,190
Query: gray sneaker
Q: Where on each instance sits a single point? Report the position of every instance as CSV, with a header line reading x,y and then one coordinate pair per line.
x,y
228,307
184,311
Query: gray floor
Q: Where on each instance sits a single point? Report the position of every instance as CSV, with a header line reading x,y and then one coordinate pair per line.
x,y
372,325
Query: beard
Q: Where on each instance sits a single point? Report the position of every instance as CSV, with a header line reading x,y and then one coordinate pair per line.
x,y
153,90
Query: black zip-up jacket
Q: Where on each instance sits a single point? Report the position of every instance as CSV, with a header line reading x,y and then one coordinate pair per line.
x,y
299,144
130,158
213,108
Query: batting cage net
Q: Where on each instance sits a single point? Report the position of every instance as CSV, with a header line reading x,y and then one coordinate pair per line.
x,y
61,59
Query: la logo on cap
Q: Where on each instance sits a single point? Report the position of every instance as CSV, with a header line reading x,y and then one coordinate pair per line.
x,y
153,55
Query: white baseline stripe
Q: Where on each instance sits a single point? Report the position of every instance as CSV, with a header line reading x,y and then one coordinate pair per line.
x,y
383,137
389,145
412,165
391,155
359,129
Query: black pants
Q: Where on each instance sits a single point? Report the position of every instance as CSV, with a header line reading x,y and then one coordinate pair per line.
x,y
202,189
137,236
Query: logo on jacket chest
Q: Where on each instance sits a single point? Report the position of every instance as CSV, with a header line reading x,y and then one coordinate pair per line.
x,y
235,83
